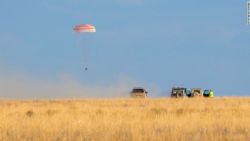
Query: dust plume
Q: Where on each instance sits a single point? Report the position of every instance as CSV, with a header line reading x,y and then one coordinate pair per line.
x,y
20,85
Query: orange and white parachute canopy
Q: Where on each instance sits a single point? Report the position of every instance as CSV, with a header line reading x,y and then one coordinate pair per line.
x,y
84,28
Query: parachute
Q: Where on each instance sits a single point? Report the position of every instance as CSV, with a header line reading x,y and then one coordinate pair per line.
x,y
80,30
85,28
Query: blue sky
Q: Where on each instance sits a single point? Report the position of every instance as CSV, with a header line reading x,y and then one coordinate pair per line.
x,y
156,44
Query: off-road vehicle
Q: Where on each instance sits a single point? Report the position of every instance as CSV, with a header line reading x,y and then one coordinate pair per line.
x,y
138,92
197,92
180,92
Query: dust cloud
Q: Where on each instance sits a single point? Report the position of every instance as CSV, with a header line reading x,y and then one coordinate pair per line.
x,y
15,84
24,86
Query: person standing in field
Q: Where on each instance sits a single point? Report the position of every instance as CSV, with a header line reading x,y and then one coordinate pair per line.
x,y
211,93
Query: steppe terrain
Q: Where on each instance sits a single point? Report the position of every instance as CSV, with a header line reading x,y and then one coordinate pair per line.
x,y
216,119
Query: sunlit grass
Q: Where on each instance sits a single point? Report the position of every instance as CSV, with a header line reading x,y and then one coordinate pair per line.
x,y
217,119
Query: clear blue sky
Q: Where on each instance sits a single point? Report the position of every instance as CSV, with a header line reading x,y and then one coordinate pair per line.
x,y
155,43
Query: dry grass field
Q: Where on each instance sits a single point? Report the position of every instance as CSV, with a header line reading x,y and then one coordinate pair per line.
x,y
218,119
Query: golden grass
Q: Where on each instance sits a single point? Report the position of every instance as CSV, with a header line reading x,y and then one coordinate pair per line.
x,y
218,119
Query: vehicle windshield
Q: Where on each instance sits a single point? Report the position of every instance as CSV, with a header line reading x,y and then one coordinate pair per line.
x,y
177,91
206,92
188,92
138,91
196,91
